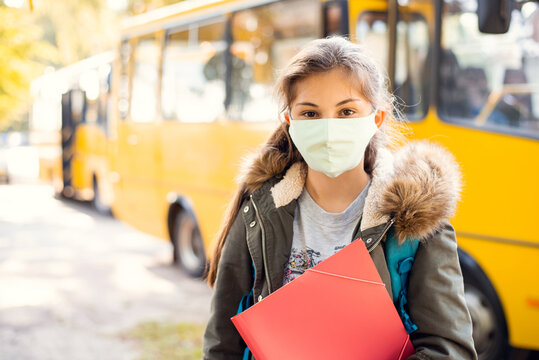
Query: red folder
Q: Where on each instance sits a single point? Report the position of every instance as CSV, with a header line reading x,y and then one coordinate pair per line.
x,y
338,309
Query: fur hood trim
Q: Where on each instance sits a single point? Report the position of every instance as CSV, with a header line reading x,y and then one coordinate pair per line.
x,y
418,186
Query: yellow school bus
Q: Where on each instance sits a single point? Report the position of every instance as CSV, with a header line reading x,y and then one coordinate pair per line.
x,y
477,94
69,126
192,87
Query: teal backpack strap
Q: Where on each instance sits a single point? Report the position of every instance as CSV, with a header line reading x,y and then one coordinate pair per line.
x,y
400,259
246,302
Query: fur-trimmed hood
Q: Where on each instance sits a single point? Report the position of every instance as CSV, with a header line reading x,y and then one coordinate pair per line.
x,y
418,186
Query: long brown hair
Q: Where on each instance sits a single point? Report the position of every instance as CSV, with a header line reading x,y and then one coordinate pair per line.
x,y
279,152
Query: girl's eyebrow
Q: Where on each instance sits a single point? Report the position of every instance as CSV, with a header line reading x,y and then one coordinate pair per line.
x,y
306,103
338,104
347,100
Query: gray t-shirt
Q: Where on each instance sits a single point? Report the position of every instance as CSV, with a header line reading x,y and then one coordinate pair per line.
x,y
324,233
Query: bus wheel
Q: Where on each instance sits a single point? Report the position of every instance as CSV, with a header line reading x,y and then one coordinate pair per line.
x,y
188,247
98,203
489,326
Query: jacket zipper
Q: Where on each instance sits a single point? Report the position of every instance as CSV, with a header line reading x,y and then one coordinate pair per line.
x,y
266,271
389,223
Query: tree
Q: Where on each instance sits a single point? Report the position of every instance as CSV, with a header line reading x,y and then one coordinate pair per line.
x,y
53,33
22,54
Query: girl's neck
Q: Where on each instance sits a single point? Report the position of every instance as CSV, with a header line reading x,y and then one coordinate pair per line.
x,y
334,195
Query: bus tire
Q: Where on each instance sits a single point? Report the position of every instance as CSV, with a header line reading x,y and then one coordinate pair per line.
x,y
97,201
187,244
489,326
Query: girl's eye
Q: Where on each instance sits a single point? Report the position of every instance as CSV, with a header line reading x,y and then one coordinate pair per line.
x,y
348,112
309,114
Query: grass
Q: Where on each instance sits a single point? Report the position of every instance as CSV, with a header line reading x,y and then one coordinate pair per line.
x,y
165,341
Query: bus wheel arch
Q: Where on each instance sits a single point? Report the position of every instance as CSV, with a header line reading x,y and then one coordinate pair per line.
x,y
490,330
184,232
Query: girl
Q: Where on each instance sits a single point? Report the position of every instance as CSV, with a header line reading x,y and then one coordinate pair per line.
x,y
326,177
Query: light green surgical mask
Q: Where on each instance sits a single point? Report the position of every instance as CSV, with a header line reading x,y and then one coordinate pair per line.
x,y
333,145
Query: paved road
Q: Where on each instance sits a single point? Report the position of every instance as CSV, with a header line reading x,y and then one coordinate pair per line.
x,y
71,280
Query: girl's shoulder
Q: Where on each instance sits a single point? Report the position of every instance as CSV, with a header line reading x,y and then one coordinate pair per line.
x,y
417,187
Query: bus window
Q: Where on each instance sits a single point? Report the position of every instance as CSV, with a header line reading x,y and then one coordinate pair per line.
x,y
145,80
264,40
104,96
336,18
89,84
372,33
411,68
123,91
489,80
193,88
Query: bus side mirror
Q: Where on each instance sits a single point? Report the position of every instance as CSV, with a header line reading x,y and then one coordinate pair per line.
x,y
494,16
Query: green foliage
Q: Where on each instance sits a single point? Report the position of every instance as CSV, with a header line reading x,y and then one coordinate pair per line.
x,y
78,29
22,53
159,341
53,33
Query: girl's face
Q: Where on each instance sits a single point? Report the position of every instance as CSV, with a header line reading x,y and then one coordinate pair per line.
x,y
330,94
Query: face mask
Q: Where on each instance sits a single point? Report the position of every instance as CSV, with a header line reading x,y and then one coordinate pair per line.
x,y
333,145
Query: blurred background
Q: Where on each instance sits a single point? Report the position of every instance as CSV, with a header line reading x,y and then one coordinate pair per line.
x,y
123,124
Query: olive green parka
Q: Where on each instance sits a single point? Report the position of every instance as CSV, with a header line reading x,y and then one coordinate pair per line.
x,y
414,190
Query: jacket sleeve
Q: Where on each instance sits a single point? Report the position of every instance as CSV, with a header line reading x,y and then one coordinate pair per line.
x,y
436,301
221,339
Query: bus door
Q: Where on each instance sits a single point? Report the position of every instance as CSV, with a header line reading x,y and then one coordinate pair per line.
x,y
72,110
138,156
400,39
